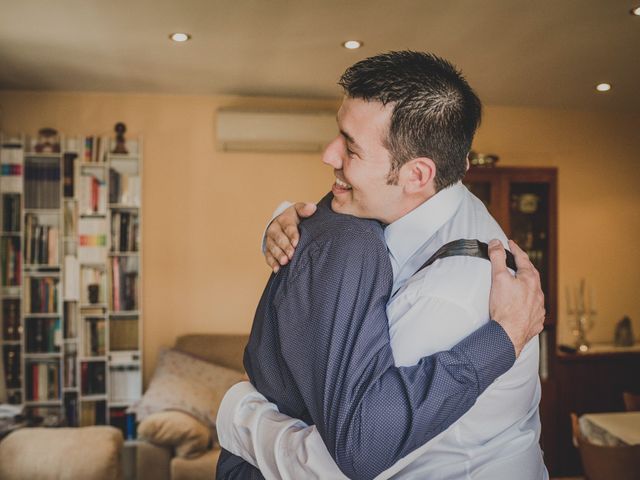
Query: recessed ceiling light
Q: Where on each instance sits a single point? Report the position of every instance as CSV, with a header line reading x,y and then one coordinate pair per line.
x,y
635,11
603,87
180,37
352,44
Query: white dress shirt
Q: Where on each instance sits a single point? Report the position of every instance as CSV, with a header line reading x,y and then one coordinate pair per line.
x,y
432,311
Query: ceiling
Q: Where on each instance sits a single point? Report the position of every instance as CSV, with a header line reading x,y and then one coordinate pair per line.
x,y
514,52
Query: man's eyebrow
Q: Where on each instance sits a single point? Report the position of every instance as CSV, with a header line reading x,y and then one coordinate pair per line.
x,y
350,139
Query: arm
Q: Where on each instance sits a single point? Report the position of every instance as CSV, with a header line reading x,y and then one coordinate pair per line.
x,y
281,447
369,412
249,426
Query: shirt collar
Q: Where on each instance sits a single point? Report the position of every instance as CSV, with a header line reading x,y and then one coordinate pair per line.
x,y
407,234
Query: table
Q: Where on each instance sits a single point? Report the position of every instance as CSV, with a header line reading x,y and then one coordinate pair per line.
x,y
621,428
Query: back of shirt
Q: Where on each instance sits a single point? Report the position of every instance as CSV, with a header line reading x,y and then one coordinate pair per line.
x,y
498,436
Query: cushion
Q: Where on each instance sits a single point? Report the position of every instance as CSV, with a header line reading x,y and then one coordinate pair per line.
x,y
202,468
87,453
187,384
189,436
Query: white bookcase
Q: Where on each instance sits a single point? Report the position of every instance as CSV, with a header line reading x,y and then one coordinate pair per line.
x,y
71,278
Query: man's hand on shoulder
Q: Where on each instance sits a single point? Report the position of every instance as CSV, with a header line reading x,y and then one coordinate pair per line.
x,y
516,302
282,234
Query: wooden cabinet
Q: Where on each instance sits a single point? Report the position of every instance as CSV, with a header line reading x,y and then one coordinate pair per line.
x,y
524,202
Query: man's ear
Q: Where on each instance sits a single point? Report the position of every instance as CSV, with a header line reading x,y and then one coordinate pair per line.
x,y
418,174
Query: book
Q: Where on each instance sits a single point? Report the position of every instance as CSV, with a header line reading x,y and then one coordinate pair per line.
x,y
11,328
92,240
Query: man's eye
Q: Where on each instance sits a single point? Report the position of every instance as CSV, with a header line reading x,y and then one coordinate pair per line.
x,y
350,152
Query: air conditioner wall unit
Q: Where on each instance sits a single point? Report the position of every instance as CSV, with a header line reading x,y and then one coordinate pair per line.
x,y
271,131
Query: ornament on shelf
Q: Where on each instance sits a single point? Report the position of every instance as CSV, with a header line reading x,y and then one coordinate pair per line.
x,y
121,144
582,308
48,141
482,159
624,333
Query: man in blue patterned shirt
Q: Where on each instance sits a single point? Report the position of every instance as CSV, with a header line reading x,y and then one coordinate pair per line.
x,y
320,348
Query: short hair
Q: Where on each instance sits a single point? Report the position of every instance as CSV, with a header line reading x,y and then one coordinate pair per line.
x,y
435,111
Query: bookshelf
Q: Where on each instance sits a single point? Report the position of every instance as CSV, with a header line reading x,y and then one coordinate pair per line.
x,y
71,277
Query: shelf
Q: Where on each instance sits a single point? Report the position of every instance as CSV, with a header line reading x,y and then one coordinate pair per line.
x,y
121,404
123,313
41,274
93,215
71,340
42,315
93,359
42,155
70,389
43,211
93,398
11,234
124,254
43,403
120,206
10,342
123,156
42,356
84,306
92,164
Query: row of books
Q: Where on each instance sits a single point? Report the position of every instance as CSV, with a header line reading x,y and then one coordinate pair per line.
x,y
41,242
11,328
71,408
70,319
12,369
92,240
123,333
124,285
92,194
11,212
95,149
93,413
95,344
124,231
69,373
42,183
10,261
43,380
11,155
43,335
124,189
93,378
41,295
125,383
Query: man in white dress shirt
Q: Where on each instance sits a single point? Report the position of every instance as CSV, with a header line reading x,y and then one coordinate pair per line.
x,y
400,169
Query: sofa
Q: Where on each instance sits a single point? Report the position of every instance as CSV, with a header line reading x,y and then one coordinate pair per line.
x,y
160,459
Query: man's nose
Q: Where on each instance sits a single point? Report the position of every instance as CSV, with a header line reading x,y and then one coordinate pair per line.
x,y
333,153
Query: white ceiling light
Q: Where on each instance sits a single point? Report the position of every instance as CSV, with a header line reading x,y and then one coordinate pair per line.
x,y
180,37
635,11
603,87
352,44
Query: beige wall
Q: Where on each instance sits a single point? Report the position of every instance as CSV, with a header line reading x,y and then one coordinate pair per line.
x,y
204,211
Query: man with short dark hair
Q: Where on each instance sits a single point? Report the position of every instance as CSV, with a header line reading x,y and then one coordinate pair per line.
x,y
392,396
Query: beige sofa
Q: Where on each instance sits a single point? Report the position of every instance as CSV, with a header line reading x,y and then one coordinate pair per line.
x,y
159,463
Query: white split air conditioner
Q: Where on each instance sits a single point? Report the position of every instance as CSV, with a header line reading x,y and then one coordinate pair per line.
x,y
269,131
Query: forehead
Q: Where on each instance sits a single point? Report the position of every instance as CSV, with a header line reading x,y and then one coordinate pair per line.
x,y
364,120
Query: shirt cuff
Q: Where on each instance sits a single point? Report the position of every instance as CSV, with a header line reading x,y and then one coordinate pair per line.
x,y
225,419
490,351
279,209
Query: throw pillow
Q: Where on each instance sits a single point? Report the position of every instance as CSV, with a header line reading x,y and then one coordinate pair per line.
x,y
189,436
185,383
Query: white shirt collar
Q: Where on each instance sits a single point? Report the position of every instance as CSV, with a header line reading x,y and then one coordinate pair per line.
x,y
407,234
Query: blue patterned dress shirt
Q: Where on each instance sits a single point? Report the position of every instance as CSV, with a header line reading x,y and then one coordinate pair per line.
x,y
319,349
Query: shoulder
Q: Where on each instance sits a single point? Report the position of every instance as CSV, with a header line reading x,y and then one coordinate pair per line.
x,y
341,234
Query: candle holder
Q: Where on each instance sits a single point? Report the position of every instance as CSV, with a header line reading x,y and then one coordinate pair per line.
x,y
581,308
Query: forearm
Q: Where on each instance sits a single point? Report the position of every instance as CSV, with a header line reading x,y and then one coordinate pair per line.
x,y
281,447
406,407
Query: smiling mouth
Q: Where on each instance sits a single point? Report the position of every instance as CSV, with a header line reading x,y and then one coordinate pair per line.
x,y
342,184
